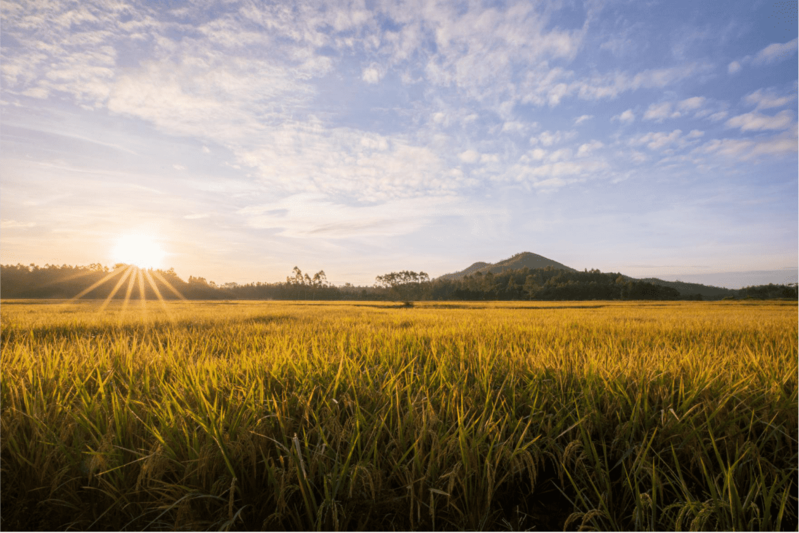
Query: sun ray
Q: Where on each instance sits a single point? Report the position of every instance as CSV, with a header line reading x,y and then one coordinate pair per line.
x,y
142,297
124,277
168,285
95,285
129,291
156,291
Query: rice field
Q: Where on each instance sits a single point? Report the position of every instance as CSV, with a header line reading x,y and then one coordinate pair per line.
x,y
346,416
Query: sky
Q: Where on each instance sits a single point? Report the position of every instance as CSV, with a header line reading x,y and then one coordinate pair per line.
x,y
656,139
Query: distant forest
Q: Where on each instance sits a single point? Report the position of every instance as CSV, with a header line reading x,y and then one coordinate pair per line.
x,y
546,284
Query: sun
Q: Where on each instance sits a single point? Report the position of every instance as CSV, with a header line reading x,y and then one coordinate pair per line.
x,y
139,250
140,256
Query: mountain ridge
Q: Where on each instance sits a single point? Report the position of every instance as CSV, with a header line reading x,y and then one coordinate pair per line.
x,y
533,261
514,262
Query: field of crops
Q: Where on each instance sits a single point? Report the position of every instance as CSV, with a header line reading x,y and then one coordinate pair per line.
x,y
303,415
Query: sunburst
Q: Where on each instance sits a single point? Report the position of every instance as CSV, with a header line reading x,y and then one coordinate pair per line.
x,y
137,257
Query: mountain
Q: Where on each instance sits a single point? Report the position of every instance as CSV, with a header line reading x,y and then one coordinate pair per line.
x,y
533,261
470,270
516,262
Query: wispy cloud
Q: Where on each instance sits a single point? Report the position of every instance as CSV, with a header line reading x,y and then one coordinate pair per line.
x,y
589,147
769,98
13,224
778,145
691,104
316,216
757,122
775,52
659,112
627,117
657,140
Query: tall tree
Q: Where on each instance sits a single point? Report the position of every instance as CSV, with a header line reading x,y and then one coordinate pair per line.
x,y
404,285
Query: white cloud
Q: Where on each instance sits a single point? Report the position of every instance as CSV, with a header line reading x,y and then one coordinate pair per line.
x,y
627,117
36,92
218,99
767,99
695,134
775,52
588,148
548,138
545,85
178,167
551,183
374,142
776,146
562,154
479,48
721,115
757,122
489,158
772,53
782,144
582,118
469,156
659,112
371,75
538,154
657,140
300,158
514,126
691,104
613,84
555,174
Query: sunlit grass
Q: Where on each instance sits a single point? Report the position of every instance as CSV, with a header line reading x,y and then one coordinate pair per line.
x,y
248,415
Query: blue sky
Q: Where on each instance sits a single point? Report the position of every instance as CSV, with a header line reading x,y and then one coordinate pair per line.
x,y
651,138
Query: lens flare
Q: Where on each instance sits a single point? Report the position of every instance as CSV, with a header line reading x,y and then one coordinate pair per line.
x,y
140,250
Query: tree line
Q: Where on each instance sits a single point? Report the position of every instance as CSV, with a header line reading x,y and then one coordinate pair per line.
x,y
545,284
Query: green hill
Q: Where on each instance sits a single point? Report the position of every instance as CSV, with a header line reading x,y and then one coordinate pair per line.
x,y
533,261
516,262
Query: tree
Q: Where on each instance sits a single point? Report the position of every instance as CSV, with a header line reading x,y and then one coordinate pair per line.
x,y
319,279
531,287
297,279
406,285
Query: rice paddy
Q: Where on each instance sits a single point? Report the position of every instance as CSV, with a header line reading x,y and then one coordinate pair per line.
x,y
346,416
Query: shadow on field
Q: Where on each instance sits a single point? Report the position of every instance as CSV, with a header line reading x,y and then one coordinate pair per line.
x,y
513,307
427,305
267,319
